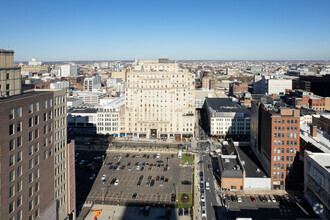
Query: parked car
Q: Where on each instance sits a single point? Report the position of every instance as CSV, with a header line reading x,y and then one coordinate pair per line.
x,y
186,182
173,197
203,213
239,199
180,212
134,196
113,181
186,211
103,177
158,155
253,199
117,182
272,198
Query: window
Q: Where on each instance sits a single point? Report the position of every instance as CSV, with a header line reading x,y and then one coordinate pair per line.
x,y
11,113
11,191
45,142
45,103
36,200
30,205
287,150
36,106
19,156
30,122
11,207
45,116
36,174
36,187
36,120
19,186
19,126
19,200
11,129
30,108
36,213
45,129
50,115
19,171
11,145
36,147
30,191
50,102
287,158
30,177
36,160
274,150
36,133
45,154
11,160
30,135
19,215
19,141
30,164
19,112
274,166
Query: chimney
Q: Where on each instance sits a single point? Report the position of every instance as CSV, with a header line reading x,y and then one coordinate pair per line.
x,y
313,130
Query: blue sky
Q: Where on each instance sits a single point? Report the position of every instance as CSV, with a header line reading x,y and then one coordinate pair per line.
x,y
148,29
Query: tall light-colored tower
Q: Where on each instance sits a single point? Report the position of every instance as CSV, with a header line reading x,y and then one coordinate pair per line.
x,y
160,101
10,75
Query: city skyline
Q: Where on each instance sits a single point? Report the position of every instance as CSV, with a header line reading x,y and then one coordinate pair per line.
x,y
185,30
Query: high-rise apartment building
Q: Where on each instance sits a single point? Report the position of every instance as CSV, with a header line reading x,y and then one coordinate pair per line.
x,y
10,75
275,140
160,101
33,165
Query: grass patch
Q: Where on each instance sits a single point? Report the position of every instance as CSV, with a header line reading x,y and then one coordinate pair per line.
x,y
185,203
187,158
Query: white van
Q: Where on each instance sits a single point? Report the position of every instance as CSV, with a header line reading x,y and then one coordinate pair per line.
x,y
180,154
207,185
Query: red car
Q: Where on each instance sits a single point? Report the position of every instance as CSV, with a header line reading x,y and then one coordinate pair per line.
x,y
129,164
253,199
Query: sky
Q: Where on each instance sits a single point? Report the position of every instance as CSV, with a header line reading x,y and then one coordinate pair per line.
x,y
180,30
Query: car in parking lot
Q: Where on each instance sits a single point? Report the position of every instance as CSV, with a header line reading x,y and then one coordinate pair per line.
x,y
142,168
134,196
152,183
138,183
239,198
103,177
203,205
202,198
154,156
162,178
157,178
104,181
173,197
158,155
113,181
186,182
233,198
272,198
161,183
147,183
268,198
186,211
127,155
141,177
261,198
144,156
166,180
117,182
180,212
203,213
253,199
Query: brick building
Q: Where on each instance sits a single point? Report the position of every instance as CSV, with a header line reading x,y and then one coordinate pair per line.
x,y
238,88
275,140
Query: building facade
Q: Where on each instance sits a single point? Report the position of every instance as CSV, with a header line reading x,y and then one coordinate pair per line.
x,y
160,101
275,140
10,75
317,182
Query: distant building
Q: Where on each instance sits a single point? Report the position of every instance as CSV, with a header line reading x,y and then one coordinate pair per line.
x,y
120,74
227,119
35,62
318,84
10,75
322,121
313,139
160,101
269,84
317,182
201,95
237,88
92,98
69,70
92,83
111,82
60,85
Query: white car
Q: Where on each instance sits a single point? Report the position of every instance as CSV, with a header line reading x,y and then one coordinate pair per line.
x,y
203,213
158,155
239,199
117,182
138,168
273,198
202,198
103,177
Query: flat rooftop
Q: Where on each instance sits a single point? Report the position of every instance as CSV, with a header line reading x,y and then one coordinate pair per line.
x,y
87,110
230,167
321,141
252,165
23,96
323,159
225,105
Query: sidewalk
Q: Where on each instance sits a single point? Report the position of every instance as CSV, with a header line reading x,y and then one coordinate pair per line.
x,y
197,205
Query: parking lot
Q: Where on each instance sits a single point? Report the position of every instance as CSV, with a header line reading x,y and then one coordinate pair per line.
x,y
274,207
131,178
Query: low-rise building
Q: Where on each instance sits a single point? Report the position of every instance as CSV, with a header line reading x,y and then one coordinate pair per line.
x,y
317,182
227,119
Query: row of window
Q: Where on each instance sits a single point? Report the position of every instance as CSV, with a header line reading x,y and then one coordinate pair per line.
x,y
287,121
288,143
288,135
12,143
278,175
281,158
282,150
287,128
280,166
